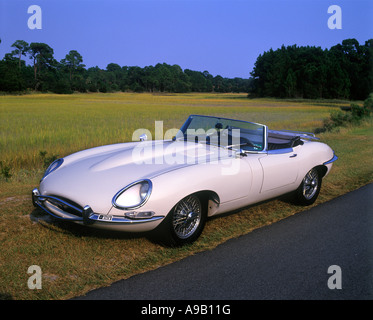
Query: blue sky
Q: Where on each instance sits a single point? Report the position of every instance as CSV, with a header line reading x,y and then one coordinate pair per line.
x,y
223,37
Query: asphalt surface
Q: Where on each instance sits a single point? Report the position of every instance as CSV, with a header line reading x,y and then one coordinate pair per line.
x,y
286,260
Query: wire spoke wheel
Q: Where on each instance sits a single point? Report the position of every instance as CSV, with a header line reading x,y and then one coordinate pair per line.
x,y
187,217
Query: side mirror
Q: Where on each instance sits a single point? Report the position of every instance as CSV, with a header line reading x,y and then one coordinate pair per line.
x,y
243,153
143,137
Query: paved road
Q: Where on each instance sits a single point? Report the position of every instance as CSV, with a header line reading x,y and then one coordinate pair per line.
x,y
286,260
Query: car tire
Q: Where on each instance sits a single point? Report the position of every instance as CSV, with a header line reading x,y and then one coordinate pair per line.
x,y
184,223
309,189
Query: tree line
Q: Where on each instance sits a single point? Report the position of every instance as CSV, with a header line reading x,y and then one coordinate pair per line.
x,y
345,71
45,74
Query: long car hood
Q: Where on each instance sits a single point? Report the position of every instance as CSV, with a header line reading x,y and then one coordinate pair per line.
x,y
92,177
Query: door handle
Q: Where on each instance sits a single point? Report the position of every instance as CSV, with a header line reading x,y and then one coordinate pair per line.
x,y
293,156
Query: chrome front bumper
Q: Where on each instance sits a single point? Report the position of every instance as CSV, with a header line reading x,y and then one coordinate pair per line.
x,y
64,210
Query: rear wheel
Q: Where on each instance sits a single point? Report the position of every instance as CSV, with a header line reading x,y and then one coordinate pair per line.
x,y
309,189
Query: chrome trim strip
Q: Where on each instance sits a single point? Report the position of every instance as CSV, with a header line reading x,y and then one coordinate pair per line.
x,y
199,115
265,147
332,159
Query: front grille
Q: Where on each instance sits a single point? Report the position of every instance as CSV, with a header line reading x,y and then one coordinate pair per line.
x,y
66,205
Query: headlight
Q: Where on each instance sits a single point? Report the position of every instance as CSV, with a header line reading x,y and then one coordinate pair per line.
x,y
53,166
134,195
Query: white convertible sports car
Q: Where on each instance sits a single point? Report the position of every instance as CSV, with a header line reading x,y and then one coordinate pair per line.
x,y
211,166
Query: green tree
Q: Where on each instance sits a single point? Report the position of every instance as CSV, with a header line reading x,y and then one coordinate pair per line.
x,y
70,74
290,84
344,71
11,77
42,56
73,61
198,81
22,48
366,75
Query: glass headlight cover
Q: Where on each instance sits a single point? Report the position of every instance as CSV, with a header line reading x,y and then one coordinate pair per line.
x,y
52,167
134,195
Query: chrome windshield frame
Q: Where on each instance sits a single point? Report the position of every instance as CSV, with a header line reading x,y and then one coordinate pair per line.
x,y
186,124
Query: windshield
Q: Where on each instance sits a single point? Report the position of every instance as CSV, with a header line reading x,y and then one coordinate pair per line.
x,y
227,133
